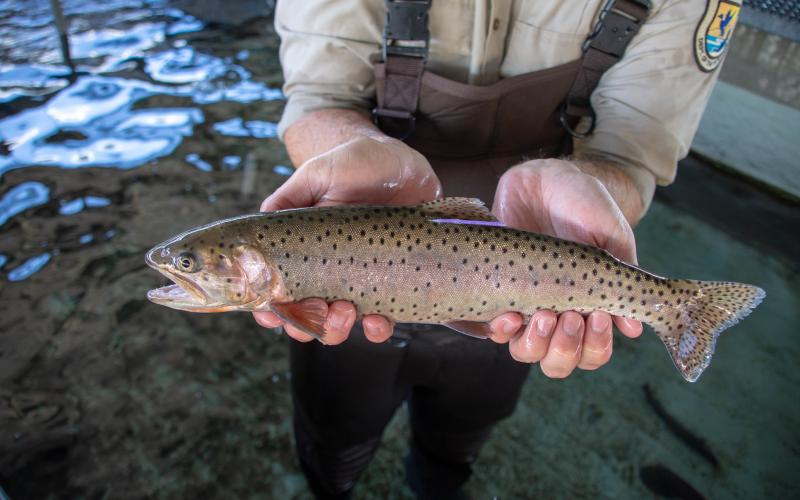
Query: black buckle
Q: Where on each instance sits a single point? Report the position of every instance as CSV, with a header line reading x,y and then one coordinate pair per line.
x,y
615,30
392,122
406,31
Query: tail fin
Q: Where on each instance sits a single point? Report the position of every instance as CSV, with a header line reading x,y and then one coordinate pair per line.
x,y
691,334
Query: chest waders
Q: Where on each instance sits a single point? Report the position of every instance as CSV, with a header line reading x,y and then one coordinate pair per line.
x,y
472,134
456,387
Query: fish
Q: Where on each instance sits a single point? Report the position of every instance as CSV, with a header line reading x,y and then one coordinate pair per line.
x,y
448,262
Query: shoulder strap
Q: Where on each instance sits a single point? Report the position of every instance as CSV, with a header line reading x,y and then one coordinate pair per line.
x,y
619,21
405,50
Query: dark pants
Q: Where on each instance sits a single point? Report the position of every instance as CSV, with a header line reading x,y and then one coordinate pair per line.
x,y
456,387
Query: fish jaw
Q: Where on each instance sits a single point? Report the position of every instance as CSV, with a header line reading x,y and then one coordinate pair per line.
x,y
176,297
182,294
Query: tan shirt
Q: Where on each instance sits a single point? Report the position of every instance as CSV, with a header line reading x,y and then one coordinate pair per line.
x,y
648,105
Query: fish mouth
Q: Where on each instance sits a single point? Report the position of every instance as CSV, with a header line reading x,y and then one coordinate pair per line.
x,y
182,294
172,293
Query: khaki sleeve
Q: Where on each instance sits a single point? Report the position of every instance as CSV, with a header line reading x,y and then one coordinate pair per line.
x,y
327,50
649,104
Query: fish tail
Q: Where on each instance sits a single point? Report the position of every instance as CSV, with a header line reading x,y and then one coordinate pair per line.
x,y
690,330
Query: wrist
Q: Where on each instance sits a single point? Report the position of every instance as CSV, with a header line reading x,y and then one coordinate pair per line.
x,y
322,130
608,175
619,185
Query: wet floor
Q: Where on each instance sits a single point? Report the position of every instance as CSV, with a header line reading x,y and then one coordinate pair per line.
x,y
171,123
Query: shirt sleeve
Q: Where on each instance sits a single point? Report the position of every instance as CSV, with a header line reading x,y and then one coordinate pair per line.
x,y
649,104
327,53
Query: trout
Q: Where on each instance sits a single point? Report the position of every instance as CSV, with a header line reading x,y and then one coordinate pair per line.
x,y
448,262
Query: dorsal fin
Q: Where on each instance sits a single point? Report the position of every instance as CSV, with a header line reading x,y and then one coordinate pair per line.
x,y
465,209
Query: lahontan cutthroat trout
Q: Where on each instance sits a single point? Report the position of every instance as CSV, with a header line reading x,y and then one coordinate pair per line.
x,y
448,262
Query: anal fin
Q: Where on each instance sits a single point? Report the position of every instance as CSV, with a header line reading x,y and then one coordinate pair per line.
x,y
306,315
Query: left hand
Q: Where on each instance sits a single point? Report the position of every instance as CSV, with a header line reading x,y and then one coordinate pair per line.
x,y
556,197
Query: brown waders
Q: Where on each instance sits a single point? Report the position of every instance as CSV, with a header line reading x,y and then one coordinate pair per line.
x,y
456,387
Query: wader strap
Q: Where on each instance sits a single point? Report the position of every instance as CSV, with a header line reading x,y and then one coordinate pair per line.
x,y
619,21
405,49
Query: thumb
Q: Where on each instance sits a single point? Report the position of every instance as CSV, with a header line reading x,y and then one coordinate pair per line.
x,y
621,243
303,189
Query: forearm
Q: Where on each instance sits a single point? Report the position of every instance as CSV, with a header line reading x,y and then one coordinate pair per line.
x,y
323,130
619,185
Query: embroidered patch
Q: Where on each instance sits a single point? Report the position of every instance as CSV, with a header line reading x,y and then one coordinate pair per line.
x,y
714,32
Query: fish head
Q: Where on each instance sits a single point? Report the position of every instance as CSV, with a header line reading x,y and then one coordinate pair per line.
x,y
211,273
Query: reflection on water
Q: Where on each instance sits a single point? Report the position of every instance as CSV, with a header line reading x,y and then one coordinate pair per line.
x,y
255,128
30,80
194,159
98,110
183,65
29,267
22,197
104,119
77,205
282,170
231,162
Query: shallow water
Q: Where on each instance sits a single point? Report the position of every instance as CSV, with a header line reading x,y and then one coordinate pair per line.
x,y
171,124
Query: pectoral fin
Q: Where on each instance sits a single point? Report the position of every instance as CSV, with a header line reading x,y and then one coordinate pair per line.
x,y
477,329
307,316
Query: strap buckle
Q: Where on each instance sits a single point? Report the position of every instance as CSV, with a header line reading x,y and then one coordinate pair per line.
x,y
406,31
576,133
390,121
616,26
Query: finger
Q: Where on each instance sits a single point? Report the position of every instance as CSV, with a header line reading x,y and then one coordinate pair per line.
x,y
267,319
302,189
629,327
339,321
597,341
297,334
504,327
565,346
532,344
377,328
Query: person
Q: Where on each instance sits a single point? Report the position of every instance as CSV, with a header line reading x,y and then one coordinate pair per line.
x,y
564,115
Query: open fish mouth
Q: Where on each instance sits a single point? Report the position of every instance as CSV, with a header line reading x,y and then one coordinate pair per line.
x,y
180,295
172,293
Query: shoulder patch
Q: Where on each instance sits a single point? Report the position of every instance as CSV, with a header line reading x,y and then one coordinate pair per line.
x,y
714,32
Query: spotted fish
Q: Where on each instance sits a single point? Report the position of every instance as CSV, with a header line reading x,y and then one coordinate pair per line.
x,y
448,262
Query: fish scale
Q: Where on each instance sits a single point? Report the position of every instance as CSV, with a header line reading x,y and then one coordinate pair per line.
x,y
446,262
420,270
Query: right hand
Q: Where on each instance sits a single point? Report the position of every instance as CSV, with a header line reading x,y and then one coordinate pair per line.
x,y
362,171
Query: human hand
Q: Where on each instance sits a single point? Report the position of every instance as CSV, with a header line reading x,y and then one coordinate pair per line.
x,y
556,197
365,170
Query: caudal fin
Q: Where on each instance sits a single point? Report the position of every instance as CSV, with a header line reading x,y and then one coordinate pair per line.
x,y
691,334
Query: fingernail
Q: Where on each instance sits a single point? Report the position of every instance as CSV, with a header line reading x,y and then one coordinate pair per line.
x,y
544,326
338,320
598,322
572,324
508,327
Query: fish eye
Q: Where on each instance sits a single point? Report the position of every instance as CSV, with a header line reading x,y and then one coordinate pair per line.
x,y
187,262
